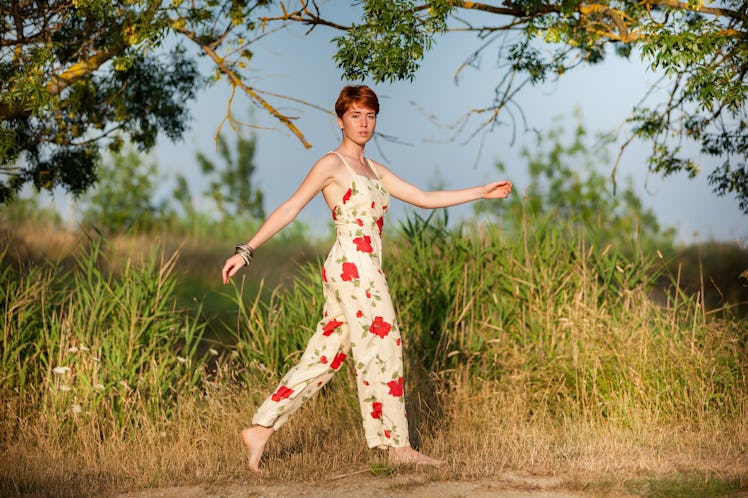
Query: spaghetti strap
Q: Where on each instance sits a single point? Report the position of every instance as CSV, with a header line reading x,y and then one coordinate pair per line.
x,y
372,169
350,170
347,166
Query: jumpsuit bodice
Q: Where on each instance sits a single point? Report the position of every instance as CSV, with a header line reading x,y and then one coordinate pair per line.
x,y
359,216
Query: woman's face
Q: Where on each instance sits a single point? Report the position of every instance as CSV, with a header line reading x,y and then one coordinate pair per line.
x,y
358,124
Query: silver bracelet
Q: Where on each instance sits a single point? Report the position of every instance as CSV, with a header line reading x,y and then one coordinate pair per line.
x,y
246,252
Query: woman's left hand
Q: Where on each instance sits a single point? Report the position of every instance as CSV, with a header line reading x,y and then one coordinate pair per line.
x,y
497,190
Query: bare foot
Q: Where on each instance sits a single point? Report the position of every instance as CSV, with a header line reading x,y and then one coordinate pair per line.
x,y
254,439
408,456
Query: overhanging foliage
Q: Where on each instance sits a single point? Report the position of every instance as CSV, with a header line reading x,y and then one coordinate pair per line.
x,y
700,48
79,75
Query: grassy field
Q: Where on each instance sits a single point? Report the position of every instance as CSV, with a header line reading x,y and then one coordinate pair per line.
x,y
534,350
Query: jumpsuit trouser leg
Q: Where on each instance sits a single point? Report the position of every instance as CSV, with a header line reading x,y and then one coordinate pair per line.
x,y
359,319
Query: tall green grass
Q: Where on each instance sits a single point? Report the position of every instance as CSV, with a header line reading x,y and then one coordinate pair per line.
x,y
505,334
91,345
566,324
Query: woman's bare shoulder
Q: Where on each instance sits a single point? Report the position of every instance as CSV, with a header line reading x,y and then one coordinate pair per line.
x,y
327,169
328,163
379,168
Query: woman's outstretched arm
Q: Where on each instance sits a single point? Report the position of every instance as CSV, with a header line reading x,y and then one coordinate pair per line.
x,y
317,178
409,193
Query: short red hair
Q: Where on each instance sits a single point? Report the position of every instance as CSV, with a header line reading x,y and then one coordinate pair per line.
x,y
360,95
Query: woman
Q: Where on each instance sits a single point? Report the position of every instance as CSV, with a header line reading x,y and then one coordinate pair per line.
x,y
359,318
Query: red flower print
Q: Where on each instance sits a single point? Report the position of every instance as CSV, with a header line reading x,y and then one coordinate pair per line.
x,y
359,314
372,204
360,222
386,433
347,196
330,326
334,213
283,392
323,359
363,244
337,361
380,224
380,327
368,295
397,341
366,382
324,274
376,409
349,271
396,387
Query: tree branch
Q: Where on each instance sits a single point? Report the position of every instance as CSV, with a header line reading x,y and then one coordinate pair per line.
x,y
80,69
703,9
236,80
61,81
549,8
304,16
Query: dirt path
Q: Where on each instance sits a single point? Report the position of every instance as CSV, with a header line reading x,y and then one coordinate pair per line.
x,y
364,485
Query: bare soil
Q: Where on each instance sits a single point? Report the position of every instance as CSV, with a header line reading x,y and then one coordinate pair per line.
x,y
364,485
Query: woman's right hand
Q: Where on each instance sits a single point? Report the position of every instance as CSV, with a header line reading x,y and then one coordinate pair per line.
x,y
233,264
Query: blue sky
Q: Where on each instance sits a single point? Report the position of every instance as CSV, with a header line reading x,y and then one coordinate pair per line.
x,y
290,63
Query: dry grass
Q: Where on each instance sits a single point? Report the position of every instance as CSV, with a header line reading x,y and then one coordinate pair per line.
x,y
199,258
481,437
586,451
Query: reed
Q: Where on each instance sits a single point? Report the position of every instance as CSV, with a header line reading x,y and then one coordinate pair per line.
x,y
88,346
535,350
568,321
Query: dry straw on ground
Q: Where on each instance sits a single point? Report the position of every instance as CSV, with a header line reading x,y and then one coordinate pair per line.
x,y
481,437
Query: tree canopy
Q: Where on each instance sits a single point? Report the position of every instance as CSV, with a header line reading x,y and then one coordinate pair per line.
x,y
79,75
700,49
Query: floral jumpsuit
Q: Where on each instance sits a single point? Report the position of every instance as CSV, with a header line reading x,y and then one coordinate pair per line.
x,y
359,319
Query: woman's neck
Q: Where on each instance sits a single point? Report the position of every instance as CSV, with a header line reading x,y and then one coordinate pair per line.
x,y
351,149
